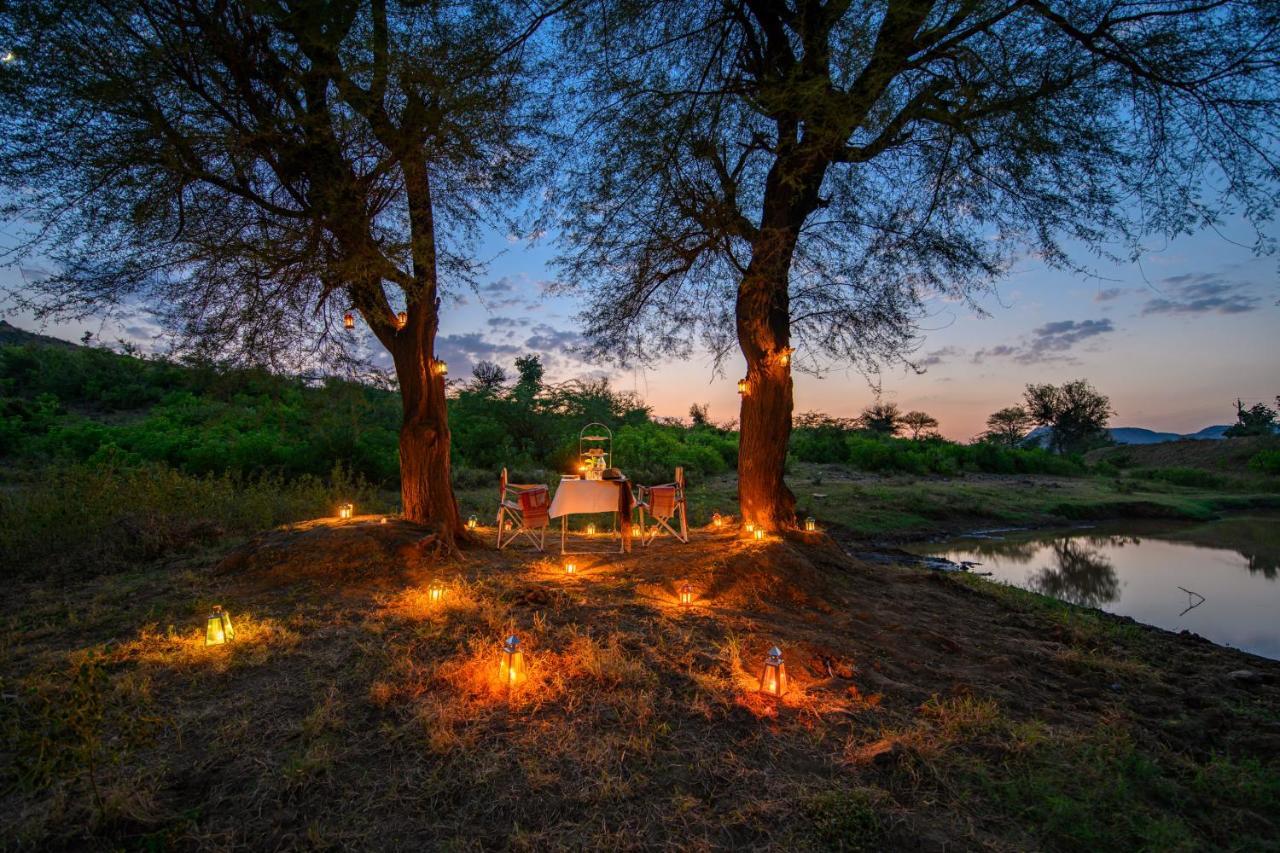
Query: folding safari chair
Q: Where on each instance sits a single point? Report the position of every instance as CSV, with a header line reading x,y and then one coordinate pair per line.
x,y
523,509
663,503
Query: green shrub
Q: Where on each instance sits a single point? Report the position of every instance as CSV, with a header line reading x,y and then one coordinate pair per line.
x,y
1194,478
1266,461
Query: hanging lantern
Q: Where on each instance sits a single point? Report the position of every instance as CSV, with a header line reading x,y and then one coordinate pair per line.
x,y
717,520
511,666
773,676
440,368
743,387
402,319
759,533
348,321
686,594
591,530
810,524
218,628
435,592
570,567
784,356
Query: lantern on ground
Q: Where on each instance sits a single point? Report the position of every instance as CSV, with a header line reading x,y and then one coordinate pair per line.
x,y
402,319
759,533
743,387
810,524
686,594
348,321
472,521
218,628
591,530
435,592
750,528
717,520
382,520
570,567
636,530
511,666
773,676
346,510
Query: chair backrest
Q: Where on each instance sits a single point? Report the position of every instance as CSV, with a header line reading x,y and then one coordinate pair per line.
x,y
502,486
662,501
680,479
535,506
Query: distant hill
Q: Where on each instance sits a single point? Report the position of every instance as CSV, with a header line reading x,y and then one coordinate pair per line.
x,y
13,336
1229,457
1137,435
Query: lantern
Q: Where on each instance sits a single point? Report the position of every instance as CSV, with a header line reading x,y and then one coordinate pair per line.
x,y
686,594
784,356
591,530
435,592
636,530
773,677
810,524
511,666
440,368
750,527
759,533
348,321
570,567
218,628
742,387
717,520
346,510
472,521
382,520
402,319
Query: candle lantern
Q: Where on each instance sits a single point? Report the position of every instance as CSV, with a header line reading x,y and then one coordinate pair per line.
x,y
759,533
348,321
435,592
218,628
382,520
686,594
773,676
784,356
346,510
472,521
743,387
591,530
440,368
810,524
750,527
511,665
402,319
636,531
570,567
717,520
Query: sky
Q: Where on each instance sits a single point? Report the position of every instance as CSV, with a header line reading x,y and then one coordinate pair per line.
x,y
1173,340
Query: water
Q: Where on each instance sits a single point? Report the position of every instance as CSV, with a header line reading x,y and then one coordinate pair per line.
x,y
1141,569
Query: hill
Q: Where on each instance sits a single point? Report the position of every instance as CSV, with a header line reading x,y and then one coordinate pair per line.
x,y
11,335
1228,456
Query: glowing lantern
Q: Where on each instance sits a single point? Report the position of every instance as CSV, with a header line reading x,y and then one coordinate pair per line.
x,y
440,368
717,520
784,356
570,567
218,628
686,594
511,666
348,321
472,522
435,592
773,677
750,527
346,510
382,520
743,387
810,524
759,533
637,530
591,530
402,319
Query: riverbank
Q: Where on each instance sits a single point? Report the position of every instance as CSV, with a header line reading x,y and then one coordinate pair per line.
x,y
927,711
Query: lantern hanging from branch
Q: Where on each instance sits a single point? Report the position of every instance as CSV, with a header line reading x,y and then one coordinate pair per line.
x,y
218,628
743,387
435,592
773,676
686,594
511,665
402,319
440,368
759,533
348,321
810,524
472,522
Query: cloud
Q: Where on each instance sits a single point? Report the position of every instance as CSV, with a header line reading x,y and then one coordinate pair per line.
x,y
1202,293
463,351
939,356
506,284
546,338
1050,342
507,322
1108,295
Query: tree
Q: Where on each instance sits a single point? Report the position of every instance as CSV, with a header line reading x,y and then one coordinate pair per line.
x,y
881,418
1258,419
1008,426
488,378
805,174
1074,412
251,171
699,414
919,422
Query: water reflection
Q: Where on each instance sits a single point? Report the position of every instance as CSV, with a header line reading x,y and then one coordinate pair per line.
x,y
1079,574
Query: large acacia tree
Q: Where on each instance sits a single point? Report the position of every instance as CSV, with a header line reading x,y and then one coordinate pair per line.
x,y
254,170
805,173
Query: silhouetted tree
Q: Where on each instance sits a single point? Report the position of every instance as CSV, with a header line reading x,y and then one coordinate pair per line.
x,y
1258,419
918,423
805,173
1008,426
699,414
1074,412
881,418
487,377
254,170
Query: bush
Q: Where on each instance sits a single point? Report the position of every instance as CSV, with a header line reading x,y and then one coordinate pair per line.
x,y
1266,461
1194,478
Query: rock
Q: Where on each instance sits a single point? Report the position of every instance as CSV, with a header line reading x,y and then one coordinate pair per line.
x,y
1245,676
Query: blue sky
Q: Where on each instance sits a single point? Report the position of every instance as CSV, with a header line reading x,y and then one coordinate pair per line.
x,y
1173,341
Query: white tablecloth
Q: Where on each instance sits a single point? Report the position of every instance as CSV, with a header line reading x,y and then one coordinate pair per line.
x,y
582,496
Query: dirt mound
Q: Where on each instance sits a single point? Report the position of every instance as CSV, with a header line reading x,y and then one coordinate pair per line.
x,y
333,553
781,574
1227,456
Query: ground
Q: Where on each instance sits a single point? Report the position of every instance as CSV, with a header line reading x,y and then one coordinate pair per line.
x,y
927,710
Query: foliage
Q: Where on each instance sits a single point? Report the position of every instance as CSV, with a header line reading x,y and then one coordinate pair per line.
x,y
1008,426
1196,478
1266,461
1258,419
882,418
920,423
1074,412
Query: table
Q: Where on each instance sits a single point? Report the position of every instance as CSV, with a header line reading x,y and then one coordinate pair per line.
x,y
587,496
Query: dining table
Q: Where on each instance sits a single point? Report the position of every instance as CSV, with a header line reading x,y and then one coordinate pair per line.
x,y
576,496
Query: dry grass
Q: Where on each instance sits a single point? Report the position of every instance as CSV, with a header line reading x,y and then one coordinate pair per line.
x,y
353,711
